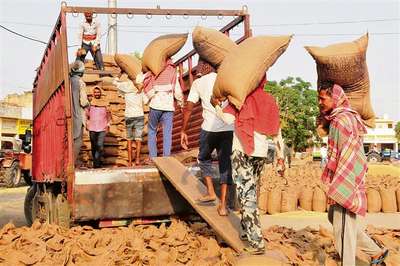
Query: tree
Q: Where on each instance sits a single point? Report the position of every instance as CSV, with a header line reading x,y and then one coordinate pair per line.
x,y
397,130
298,110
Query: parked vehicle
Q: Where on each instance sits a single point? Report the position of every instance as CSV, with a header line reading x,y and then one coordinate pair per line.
x,y
62,194
15,161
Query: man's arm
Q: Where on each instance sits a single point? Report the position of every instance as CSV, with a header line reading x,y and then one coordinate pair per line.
x,y
186,115
80,34
178,92
278,141
98,34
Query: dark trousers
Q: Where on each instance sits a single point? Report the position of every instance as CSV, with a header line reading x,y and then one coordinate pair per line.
x,y
97,142
97,57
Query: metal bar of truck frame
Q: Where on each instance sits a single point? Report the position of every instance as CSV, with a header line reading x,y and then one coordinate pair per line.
x,y
154,11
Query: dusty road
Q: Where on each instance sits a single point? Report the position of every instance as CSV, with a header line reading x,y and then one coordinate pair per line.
x,y
12,205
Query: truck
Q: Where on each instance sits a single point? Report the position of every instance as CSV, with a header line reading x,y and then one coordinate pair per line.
x,y
64,195
15,160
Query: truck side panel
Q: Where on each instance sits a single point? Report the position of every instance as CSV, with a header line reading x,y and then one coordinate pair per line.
x,y
52,143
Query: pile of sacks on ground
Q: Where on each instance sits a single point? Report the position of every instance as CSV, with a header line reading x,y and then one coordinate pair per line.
x,y
302,188
179,243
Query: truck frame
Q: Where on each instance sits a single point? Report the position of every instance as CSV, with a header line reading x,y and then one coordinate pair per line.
x,y
62,194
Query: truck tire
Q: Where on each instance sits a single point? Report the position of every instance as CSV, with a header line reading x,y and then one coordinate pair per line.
x,y
12,175
28,204
374,158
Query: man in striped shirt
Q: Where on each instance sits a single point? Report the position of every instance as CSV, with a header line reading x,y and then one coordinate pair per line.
x,y
344,175
89,38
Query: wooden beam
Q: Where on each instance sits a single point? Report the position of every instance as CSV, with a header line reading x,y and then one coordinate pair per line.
x,y
191,189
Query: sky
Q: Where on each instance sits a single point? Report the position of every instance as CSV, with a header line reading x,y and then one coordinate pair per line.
x,y
315,23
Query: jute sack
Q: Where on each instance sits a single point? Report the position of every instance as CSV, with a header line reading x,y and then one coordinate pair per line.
x,y
306,199
388,197
211,45
161,48
398,198
319,200
244,67
345,64
129,64
374,202
274,201
288,201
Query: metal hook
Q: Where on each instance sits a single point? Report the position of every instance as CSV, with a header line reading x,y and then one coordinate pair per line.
x,y
245,8
168,16
113,15
185,16
129,15
220,16
149,16
63,3
203,17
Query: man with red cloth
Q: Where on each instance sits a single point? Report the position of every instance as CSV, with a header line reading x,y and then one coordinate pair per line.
x,y
344,175
253,123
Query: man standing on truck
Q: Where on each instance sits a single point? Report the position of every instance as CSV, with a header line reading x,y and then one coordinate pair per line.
x,y
161,91
98,124
134,116
344,176
89,38
214,135
79,101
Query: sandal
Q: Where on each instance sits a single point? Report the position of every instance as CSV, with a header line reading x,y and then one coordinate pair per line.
x,y
148,161
254,251
380,259
206,199
222,211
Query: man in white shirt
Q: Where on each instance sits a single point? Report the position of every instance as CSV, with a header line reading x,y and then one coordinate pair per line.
x,y
214,135
89,38
134,116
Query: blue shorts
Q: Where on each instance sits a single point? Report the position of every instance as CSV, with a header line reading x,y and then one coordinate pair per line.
x,y
222,143
134,127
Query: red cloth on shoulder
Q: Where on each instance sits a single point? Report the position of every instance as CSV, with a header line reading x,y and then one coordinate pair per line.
x,y
259,113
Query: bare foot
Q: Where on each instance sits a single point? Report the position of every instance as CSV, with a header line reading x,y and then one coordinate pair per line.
x,y
137,162
222,211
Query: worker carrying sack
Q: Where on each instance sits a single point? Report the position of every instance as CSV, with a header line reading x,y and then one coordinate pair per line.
x,y
345,65
129,64
159,50
244,67
212,45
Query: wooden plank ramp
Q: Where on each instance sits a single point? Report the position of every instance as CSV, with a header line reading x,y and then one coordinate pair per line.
x,y
191,188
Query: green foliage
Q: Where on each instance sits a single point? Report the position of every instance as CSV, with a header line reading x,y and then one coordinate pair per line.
x,y
397,130
298,110
138,55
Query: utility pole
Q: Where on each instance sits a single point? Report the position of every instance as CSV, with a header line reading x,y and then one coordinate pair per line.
x,y
112,30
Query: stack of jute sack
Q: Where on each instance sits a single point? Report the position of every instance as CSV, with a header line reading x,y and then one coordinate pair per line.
x,y
125,67
302,188
240,67
345,64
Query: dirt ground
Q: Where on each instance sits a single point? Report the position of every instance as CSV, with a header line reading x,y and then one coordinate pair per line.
x,y
12,205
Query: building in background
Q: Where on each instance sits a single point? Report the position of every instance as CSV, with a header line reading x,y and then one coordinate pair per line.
x,y
382,136
15,114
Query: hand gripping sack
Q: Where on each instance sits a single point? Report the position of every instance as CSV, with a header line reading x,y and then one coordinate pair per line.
x,y
212,45
130,64
161,48
244,67
345,64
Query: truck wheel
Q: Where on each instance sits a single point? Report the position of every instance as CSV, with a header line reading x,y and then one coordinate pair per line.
x,y
28,204
373,158
12,175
